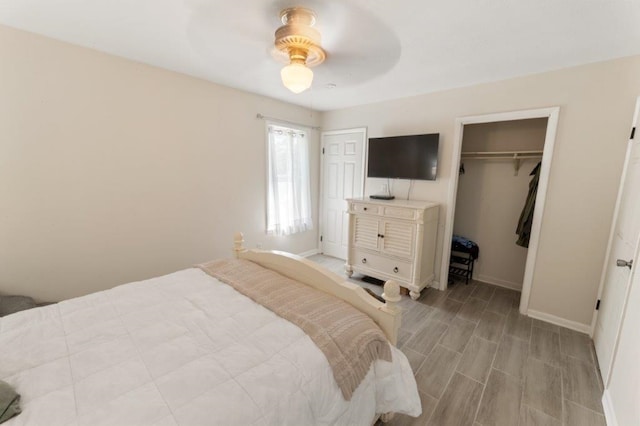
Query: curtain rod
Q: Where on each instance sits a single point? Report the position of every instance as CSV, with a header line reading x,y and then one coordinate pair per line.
x,y
264,117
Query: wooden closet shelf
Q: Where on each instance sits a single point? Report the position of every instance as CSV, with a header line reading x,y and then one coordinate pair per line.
x,y
516,156
458,271
460,260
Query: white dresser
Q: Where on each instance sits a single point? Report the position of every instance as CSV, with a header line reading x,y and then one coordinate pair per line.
x,y
393,239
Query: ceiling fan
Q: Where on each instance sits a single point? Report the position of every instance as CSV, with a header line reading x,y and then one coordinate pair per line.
x,y
248,50
299,44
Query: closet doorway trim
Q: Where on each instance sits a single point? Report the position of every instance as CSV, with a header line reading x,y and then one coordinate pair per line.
x,y
550,138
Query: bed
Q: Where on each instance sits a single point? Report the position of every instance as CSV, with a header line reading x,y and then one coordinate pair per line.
x,y
188,349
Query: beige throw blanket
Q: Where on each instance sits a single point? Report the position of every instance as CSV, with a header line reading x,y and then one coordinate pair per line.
x,y
349,339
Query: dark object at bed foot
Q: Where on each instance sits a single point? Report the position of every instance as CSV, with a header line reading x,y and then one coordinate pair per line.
x,y
13,304
371,280
9,402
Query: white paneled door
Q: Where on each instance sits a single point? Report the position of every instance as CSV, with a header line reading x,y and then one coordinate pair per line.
x,y
342,177
622,248
622,394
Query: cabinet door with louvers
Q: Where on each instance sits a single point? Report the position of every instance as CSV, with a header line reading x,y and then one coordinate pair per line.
x,y
366,232
397,238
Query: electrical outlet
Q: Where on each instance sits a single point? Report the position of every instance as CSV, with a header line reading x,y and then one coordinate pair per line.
x,y
385,189
259,245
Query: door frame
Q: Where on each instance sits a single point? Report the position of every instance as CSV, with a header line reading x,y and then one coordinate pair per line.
x,y
551,114
365,145
607,256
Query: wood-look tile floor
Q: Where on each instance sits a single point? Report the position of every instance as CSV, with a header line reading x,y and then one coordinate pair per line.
x,y
478,362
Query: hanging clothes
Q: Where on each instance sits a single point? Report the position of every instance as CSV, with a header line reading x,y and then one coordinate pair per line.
x,y
526,217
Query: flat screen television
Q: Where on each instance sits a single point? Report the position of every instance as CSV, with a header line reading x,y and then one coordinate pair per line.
x,y
404,157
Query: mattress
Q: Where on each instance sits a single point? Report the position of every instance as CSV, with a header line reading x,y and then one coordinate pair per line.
x,y
182,349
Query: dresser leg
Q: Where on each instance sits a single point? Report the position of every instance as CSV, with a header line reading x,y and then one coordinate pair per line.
x,y
414,294
348,270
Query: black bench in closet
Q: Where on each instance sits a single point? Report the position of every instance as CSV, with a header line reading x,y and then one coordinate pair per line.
x,y
464,253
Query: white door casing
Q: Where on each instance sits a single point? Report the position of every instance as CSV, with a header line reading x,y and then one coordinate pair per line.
x,y
623,242
343,168
552,115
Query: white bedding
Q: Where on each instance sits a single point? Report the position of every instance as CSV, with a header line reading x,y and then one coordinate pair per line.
x,y
182,349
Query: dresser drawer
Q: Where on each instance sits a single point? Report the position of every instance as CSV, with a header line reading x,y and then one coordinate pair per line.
x,y
391,267
365,208
400,213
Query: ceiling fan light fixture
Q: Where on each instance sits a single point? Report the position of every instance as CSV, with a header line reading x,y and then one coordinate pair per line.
x,y
296,77
301,44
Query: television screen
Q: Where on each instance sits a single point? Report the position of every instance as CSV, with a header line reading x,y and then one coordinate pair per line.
x,y
404,157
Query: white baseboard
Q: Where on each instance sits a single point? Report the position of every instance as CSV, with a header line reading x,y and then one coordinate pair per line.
x,y
309,253
607,407
500,283
562,322
435,284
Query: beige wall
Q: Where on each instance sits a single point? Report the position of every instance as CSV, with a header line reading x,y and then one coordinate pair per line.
x,y
113,171
490,197
596,105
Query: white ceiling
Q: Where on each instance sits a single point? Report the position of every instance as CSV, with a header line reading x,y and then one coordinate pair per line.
x,y
377,49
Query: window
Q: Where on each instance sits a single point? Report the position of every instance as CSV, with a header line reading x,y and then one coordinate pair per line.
x,y
288,198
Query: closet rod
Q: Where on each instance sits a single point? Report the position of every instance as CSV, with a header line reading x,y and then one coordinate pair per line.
x,y
277,120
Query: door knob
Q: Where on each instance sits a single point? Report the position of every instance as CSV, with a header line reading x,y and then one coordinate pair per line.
x,y
623,263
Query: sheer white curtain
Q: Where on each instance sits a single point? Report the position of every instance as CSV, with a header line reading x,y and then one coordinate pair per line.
x,y
289,189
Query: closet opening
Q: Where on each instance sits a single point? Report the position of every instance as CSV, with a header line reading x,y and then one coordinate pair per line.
x,y
499,182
